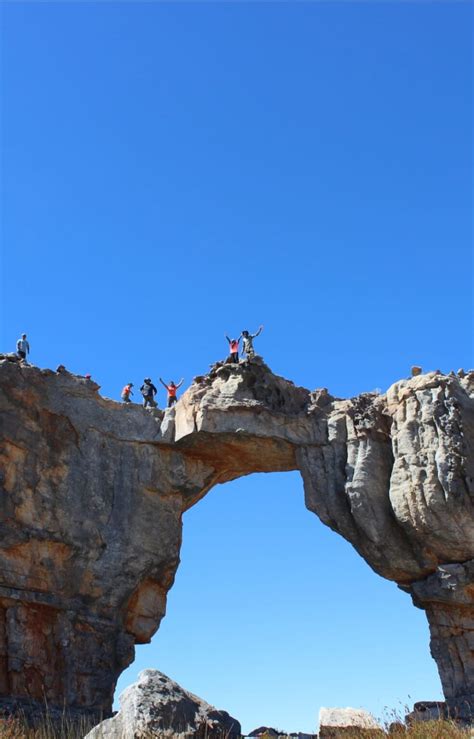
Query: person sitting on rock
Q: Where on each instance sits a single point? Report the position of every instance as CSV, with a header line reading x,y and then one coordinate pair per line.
x,y
172,389
148,390
234,348
126,392
22,347
247,346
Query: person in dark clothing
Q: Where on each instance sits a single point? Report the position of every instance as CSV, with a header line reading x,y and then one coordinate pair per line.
x,y
148,390
171,390
234,348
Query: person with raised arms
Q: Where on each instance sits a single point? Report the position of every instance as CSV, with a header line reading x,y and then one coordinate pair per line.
x,y
172,389
234,348
247,344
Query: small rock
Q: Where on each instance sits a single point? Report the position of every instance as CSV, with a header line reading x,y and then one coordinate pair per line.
x,y
416,370
265,731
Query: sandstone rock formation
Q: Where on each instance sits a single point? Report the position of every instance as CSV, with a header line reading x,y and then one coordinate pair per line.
x,y
94,491
427,711
335,723
157,706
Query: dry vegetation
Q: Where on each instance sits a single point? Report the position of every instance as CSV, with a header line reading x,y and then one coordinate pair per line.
x,y
420,730
14,728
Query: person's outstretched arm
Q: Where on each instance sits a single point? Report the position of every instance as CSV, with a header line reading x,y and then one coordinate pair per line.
x,y
180,383
227,338
254,336
163,383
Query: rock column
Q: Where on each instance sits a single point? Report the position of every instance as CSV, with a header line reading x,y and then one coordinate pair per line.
x,y
447,596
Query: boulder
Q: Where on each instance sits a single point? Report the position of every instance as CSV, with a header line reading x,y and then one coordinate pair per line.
x,y
427,711
157,706
340,722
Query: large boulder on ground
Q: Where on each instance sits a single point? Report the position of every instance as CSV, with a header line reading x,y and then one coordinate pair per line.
x,y
157,706
341,722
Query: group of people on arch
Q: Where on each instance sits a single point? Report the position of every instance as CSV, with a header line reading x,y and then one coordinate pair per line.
x,y
149,391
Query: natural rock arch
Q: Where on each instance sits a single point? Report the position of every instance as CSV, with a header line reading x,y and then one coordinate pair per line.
x,y
88,483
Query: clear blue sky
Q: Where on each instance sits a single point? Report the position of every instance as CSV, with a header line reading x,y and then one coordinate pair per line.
x,y
174,171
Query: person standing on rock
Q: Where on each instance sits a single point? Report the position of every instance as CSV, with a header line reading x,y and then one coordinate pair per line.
x,y
247,346
172,389
126,392
22,347
148,390
234,348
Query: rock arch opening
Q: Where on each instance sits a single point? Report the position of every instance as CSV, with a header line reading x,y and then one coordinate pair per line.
x,y
272,615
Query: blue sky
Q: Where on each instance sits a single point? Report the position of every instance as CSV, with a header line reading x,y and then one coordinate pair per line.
x,y
175,171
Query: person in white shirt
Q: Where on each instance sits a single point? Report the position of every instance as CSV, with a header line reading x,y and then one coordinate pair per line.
x,y
22,347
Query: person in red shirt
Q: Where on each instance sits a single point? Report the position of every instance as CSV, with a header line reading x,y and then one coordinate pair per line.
x,y
234,348
126,392
172,389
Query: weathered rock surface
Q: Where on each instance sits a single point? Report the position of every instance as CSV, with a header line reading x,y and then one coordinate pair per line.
x,y
157,706
335,723
427,711
94,491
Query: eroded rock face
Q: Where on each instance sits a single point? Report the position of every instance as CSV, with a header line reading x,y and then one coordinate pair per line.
x,y
94,491
157,706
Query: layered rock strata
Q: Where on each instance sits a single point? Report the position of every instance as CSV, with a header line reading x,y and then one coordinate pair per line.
x,y
93,493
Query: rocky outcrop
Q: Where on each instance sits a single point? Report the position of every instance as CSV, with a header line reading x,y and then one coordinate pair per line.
x,y
93,494
427,711
157,706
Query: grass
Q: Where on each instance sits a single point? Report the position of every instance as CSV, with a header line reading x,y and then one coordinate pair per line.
x,y
439,729
17,728
65,728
